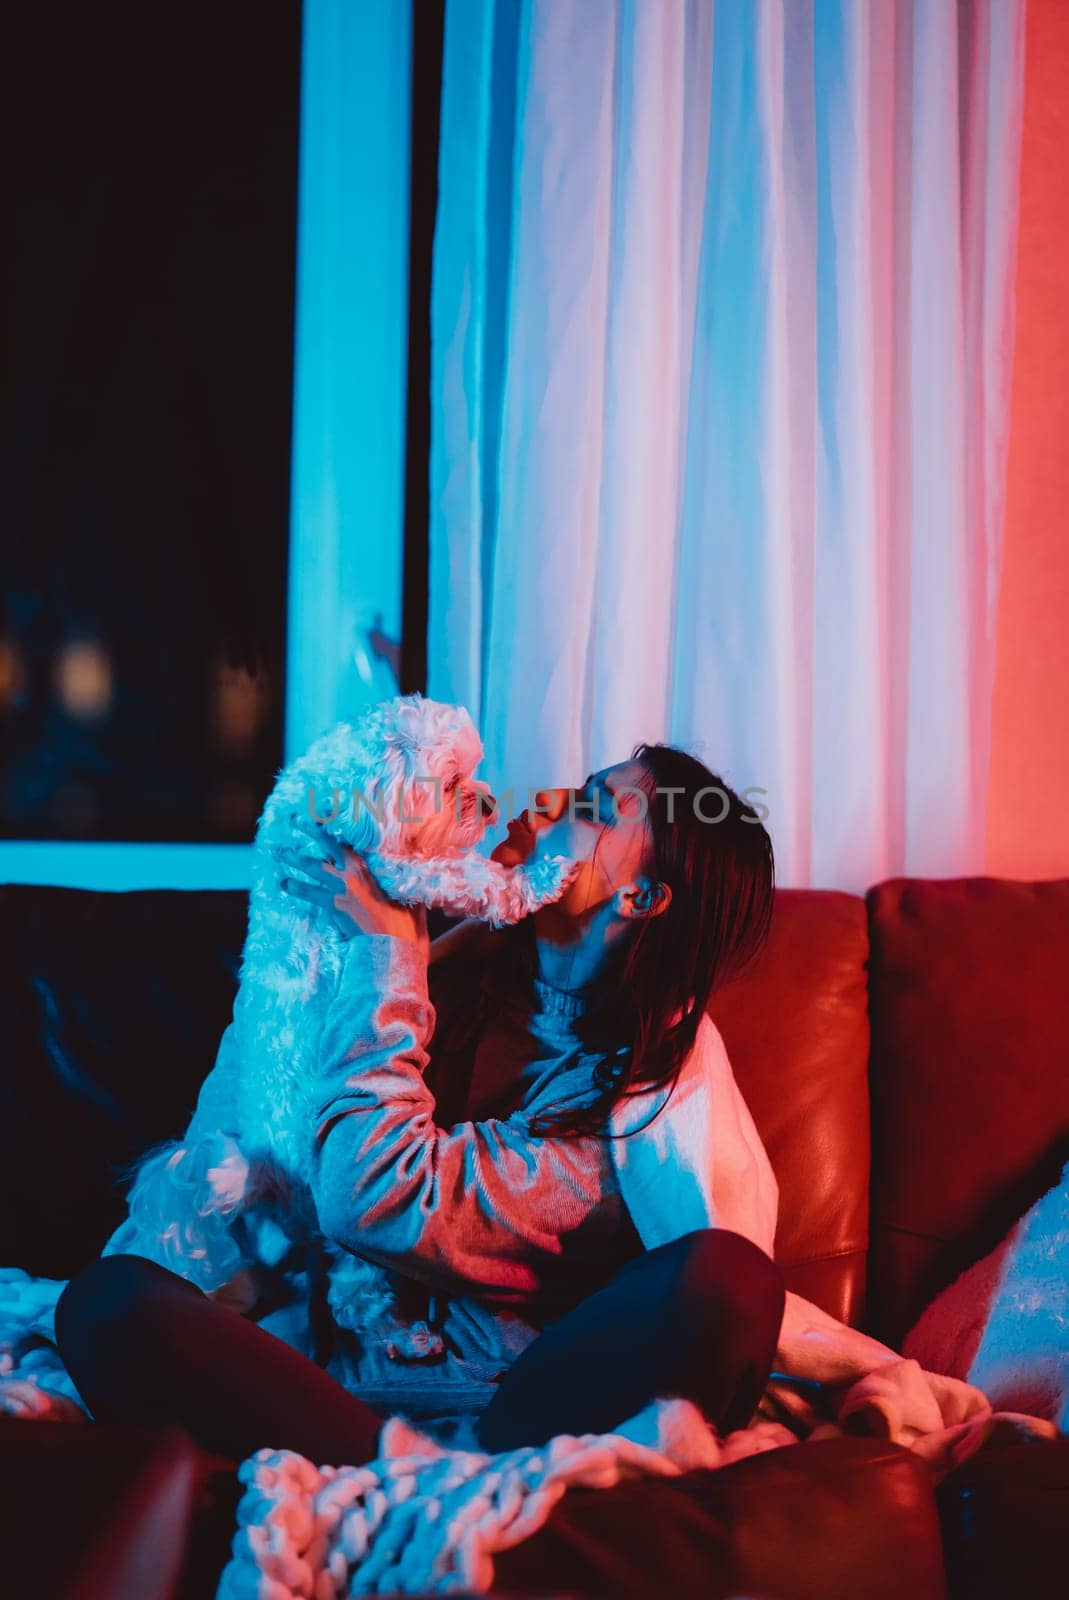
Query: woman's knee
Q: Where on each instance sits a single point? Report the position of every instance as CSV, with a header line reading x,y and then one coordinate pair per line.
x,y
721,1275
113,1299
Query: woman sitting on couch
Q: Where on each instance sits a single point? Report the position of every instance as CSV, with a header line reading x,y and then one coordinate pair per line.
x,y
496,1166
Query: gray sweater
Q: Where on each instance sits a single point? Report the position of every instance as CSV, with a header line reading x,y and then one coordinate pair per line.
x,y
493,1230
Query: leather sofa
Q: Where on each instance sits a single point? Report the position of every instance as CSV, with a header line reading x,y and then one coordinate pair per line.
x,y
906,1058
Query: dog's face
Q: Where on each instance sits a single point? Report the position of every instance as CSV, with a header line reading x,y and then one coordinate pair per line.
x,y
433,805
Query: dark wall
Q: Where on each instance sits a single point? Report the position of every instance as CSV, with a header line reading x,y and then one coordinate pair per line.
x,y
153,152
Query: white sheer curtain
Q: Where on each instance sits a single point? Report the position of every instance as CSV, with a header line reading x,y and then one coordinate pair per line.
x,y
722,327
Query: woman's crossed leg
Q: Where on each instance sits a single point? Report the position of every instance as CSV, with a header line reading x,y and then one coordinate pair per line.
x,y
699,1317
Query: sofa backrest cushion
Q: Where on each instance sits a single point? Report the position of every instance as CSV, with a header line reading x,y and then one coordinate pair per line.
x,y
796,1030
111,1011
969,996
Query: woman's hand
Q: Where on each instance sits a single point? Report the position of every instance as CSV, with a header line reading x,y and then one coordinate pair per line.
x,y
335,880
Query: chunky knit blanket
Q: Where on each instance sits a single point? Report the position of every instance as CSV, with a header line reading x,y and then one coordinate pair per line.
x,y
426,1519
423,1518
34,1383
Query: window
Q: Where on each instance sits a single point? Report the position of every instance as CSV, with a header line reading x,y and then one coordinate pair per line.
x,y
147,446
214,353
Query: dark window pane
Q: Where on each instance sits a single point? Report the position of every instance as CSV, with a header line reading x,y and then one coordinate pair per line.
x,y
147,440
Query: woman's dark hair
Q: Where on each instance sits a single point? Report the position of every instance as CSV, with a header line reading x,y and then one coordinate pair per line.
x,y
713,852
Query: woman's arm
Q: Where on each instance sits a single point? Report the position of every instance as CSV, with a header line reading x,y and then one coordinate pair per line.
x,y
812,1344
482,1207
470,939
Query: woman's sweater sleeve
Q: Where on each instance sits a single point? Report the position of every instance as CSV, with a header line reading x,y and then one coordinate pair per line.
x,y
482,1207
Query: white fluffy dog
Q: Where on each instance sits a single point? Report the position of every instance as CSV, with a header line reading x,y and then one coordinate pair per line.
x,y
397,787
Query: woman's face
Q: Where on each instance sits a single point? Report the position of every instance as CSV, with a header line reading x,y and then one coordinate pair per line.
x,y
602,825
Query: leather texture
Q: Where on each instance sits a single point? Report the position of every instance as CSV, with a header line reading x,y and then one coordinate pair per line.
x,y
833,1520
94,1512
969,1000
1003,1515
797,1034
111,1011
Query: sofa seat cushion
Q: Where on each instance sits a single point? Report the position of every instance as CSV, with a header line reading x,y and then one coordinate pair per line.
x,y
824,1520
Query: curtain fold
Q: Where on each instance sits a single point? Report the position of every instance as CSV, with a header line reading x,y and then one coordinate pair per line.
x,y
722,333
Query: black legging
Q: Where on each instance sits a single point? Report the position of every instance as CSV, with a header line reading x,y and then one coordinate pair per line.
x,y
699,1317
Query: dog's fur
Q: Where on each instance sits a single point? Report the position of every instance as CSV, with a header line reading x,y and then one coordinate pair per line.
x,y
233,1192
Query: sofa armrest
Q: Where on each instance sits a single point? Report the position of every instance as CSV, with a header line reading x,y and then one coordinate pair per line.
x,y
95,1510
